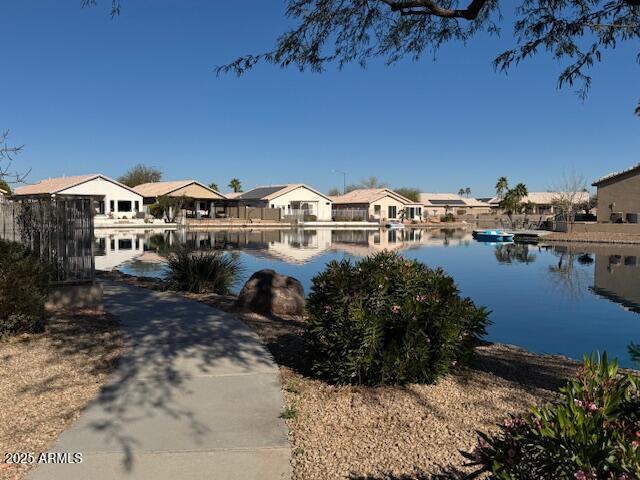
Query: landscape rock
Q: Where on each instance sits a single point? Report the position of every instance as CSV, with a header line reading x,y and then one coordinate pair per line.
x,y
269,293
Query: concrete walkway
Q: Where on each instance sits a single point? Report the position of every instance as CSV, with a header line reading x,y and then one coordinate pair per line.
x,y
196,396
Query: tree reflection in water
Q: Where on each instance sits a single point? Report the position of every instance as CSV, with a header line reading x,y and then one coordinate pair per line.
x,y
514,253
568,274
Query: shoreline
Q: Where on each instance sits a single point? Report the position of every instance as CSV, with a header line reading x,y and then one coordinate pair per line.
x,y
608,238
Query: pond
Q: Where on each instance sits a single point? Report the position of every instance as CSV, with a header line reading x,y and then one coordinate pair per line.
x,y
569,299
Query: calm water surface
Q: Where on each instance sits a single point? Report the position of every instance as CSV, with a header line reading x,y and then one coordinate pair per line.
x,y
567,298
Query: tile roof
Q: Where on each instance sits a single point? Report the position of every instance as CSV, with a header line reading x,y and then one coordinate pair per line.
x,y
157,189
370,195
616,174
260,193
270,192
450,199
50,186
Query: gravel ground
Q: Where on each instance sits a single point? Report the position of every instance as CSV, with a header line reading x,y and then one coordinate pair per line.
x,y
47,378
402,432
620,238
407,432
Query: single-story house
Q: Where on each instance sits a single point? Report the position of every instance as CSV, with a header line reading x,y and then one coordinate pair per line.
x,y
112,198
619,196
200,199
295,200
2,192
438,204
378,204
541,203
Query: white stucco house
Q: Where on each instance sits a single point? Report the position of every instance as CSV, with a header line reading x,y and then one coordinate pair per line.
x,y
112,198
294,200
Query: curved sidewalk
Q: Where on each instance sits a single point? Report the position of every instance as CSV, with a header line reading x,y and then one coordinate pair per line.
x,y
195,396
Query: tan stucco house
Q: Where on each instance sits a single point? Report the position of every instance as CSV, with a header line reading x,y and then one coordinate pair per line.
x,y
619,196
438,204
202,199
379,204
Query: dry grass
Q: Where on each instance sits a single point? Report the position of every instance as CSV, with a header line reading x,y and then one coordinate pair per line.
x,y
407,432
47,378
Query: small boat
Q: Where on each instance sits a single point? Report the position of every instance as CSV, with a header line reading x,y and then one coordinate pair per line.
x,y
394,225
492,236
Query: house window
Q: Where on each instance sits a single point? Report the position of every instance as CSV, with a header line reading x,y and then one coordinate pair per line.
x,y
124,205
137,206
125,244
392,211
376,210
112,206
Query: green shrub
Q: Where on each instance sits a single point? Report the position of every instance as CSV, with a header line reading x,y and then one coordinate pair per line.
x,y
385,319
23,290
449,217
592,433
202,272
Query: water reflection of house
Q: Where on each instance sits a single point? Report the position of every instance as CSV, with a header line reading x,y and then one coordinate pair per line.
x,y
115,247
288,245
617,275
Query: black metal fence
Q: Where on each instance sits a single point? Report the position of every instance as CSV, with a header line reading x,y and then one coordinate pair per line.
x,y
58,230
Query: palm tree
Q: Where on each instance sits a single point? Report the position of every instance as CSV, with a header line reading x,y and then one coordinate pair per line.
x,y
214,186
467,191
235,185
520,191
501,187
461,192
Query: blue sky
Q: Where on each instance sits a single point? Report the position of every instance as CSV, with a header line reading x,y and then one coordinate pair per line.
x,y
86,94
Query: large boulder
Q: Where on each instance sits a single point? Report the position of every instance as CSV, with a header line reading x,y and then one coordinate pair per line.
x,y
269,293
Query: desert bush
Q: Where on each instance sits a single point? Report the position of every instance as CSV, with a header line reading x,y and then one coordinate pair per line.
x,y
23,289
449,217
593,432
202,272
386,320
